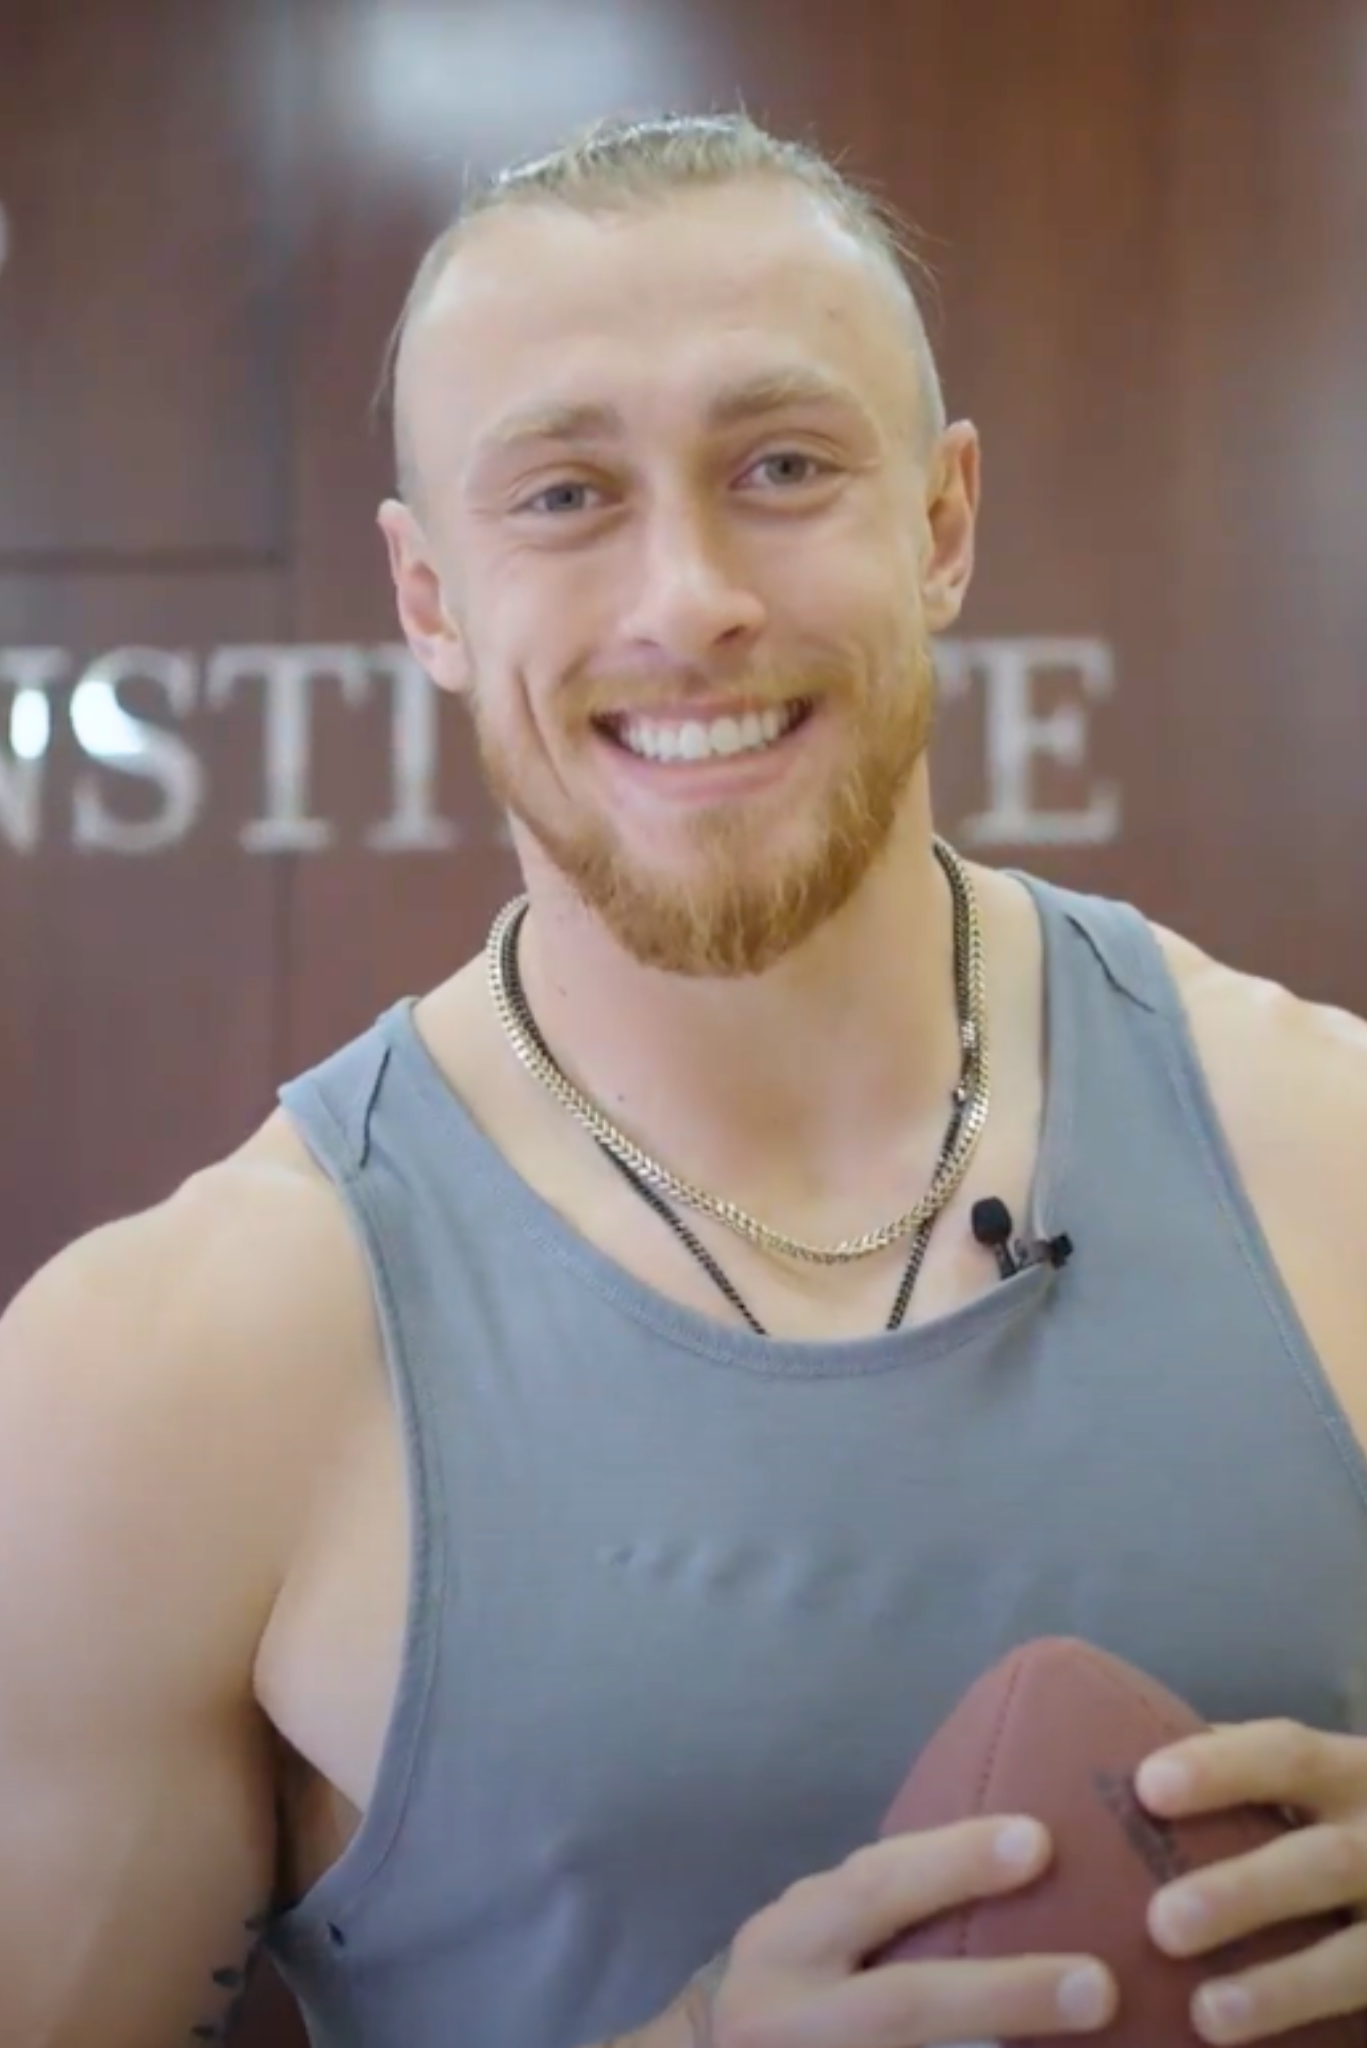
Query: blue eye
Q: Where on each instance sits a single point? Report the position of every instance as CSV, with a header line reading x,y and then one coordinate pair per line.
x,y
559,498
806,466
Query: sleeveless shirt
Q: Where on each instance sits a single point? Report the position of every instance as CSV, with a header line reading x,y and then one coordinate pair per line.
x,y
685,1600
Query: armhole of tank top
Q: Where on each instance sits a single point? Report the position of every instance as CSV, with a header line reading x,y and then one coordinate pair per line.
x,y
311,1924
1157,989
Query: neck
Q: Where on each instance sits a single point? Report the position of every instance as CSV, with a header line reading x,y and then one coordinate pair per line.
x,y
777,1086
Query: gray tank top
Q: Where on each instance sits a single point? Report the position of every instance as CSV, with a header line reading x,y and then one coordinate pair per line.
x,y
686,1600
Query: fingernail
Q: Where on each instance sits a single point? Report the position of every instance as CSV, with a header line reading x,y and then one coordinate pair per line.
x,y
1020,1843
1083,1996
1223,2011
1181,1916
1164,1780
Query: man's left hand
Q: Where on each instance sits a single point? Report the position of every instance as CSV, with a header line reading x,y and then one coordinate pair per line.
x,y
1319,1867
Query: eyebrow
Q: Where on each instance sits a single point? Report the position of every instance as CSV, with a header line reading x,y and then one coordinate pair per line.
x,y
750,398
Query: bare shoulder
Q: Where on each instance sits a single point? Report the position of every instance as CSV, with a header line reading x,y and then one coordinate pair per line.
x,y
1289,1083
172,1392
1289,1076
172,1384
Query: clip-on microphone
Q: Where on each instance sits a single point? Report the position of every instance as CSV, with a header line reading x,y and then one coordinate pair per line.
x,y
992,1226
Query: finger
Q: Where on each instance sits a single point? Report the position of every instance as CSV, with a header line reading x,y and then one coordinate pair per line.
x,y
833,1921
1271,1763
914,2005
1314,1870
1324,1981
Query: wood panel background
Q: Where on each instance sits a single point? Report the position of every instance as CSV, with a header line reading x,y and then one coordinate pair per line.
x,y
1149,224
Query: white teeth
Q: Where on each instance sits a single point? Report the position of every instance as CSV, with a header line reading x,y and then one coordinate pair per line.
x,y
696,741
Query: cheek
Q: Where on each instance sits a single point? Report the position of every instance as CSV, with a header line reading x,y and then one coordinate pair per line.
x,y
865,616
859,576
532,637
524,711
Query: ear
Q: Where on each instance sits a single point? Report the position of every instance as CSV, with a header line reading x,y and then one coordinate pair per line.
x,y
954,483
429,629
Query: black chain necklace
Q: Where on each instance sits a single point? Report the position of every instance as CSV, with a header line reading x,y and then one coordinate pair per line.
x,y
500,951
911,1272
959,1101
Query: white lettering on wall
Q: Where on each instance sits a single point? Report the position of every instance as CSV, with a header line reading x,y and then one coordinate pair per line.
x,y
30,672
1017,736
136,747
288,674
414,824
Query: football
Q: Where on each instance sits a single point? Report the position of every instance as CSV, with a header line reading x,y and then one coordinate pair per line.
x,y
1058,1730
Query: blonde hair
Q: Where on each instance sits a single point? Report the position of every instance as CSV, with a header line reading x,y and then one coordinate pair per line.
x,y
618,162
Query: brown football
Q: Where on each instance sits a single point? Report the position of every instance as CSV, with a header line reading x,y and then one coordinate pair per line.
x,y
1058,1730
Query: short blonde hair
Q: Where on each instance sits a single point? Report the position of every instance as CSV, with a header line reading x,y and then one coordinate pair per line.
x,y
617,162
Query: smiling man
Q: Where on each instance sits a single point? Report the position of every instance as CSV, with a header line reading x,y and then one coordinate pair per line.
x,y
501,1536
681,556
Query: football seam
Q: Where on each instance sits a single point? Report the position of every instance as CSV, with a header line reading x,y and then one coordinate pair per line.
x,y
1121,1682
985,1783
1118,1681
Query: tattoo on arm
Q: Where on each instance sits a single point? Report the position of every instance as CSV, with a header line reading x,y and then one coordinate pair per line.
x,y
695,2005
700,2000
232,1982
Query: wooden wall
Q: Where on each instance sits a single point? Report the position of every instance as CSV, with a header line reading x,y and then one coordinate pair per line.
x,y
247,827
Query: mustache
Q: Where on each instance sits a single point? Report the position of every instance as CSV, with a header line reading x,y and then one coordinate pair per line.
x,y
761,689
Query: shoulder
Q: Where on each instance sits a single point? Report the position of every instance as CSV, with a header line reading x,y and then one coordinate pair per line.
x,y
173,1386
251,1258
1288,1075
1288,1079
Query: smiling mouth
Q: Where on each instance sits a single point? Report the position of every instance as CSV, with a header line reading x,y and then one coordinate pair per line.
x,y
697,739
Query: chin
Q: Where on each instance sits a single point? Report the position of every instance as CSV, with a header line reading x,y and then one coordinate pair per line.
x,y
701,884
705,921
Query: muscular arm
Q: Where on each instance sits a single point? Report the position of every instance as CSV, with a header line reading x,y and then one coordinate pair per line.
x,y
1289,1082
138,1561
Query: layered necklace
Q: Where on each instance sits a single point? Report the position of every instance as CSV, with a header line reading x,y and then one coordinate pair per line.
x,y
667,1192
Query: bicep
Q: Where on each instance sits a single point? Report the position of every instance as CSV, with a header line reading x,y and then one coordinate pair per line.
x,y
137,1807
134,1875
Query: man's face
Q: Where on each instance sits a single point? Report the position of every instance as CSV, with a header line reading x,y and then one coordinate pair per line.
x,y
681,548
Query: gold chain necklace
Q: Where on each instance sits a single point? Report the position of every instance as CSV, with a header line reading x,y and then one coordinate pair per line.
x,y
970,1099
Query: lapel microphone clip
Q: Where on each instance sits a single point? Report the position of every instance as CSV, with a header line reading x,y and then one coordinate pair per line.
x,y
994,1229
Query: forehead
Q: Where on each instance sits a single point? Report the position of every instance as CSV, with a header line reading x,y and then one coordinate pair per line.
x,y
646,309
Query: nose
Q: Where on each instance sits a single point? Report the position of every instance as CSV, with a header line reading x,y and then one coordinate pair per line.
x,y
692,599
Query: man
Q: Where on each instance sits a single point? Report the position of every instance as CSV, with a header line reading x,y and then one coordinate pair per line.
x,y
504,1533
